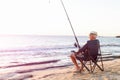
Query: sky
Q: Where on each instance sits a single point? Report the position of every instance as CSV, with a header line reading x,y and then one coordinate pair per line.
x,y
47,17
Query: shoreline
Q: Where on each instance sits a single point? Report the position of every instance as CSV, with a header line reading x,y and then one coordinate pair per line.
x,y
34,72
106,57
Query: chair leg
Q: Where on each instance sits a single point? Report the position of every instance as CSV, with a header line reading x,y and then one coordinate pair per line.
x,y
90,66
85,66
96,64
102,63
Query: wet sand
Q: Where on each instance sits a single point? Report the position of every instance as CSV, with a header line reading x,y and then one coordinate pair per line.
x,y
37,72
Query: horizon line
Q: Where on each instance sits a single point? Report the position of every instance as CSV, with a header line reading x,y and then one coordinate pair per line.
x,y
49,35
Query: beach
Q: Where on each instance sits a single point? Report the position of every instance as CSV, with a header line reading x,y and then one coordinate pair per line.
x,y
34,72
112,72
38,39
48,58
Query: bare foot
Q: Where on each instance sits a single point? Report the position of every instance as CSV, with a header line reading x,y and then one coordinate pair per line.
x,y
81,70
78,68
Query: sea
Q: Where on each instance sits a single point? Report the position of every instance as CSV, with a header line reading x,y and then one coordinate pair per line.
x,y
50,51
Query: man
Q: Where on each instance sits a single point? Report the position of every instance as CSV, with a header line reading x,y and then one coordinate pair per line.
x,y
91,46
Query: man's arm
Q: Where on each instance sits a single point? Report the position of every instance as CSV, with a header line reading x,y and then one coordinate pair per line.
x,y
83,48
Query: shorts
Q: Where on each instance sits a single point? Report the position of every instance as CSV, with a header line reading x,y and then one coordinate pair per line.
x,y
81,56
85,57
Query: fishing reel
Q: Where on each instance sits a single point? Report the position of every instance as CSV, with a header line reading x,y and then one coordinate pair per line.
x,y
76,45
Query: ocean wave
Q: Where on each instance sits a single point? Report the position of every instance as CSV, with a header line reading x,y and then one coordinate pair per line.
x,y
32,63
51,48
110,45
36,49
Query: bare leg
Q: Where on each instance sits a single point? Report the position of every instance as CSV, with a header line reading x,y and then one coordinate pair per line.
x,y
73,58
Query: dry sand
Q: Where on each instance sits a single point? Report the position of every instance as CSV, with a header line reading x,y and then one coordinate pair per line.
x,y
112,72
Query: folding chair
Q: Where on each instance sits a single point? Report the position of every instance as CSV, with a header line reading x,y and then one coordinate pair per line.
x,y
93,63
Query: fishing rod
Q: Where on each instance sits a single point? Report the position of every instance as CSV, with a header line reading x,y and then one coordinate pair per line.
x,y
70,24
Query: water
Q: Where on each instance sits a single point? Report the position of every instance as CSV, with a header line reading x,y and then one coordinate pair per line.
x,y
16,50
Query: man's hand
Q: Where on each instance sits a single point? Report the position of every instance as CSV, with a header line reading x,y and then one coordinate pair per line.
x,y
73,51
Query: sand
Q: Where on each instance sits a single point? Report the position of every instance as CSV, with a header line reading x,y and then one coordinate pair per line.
x,y
32,72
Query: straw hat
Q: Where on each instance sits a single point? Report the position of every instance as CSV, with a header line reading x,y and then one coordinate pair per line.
x,y
93,33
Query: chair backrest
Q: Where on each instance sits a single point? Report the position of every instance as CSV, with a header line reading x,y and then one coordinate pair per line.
x,y
93,48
